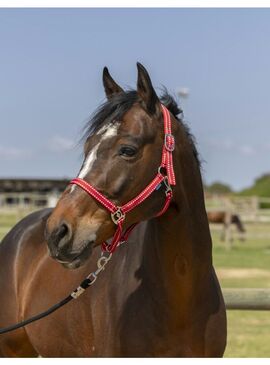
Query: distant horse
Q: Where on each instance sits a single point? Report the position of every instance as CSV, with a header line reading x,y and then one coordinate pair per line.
x,y
226,219
159,295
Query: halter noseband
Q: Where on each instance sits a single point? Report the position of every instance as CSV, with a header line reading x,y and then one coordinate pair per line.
x,y
118,213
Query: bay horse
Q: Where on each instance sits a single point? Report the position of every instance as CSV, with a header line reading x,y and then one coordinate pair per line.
x,y
227,219
159,295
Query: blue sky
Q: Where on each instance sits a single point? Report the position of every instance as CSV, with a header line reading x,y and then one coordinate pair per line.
x,y
50,82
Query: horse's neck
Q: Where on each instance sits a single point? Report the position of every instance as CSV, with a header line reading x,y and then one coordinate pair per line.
x,y
177,246
176,250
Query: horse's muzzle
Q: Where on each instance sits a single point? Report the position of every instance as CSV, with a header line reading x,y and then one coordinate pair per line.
x,y
72,259
59,240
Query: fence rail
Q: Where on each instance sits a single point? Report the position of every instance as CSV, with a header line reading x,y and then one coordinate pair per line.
x,y
251,209
247,299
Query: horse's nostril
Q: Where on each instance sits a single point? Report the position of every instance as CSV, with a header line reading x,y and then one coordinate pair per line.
x,y
63,235
59,239
62,231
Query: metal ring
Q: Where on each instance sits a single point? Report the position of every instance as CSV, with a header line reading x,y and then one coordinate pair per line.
x,y
160,172
90,276
118,216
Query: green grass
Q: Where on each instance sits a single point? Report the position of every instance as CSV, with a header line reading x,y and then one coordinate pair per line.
x,y
9,219
248,331
248,334
249,254
6,222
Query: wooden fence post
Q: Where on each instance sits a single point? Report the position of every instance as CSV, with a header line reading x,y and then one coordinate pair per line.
x,y
228,226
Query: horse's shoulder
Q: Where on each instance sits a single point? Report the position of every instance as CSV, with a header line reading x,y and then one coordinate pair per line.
x,y
35,218
20,234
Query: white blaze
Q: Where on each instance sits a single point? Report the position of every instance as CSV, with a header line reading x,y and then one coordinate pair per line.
x,y
110,131
89,161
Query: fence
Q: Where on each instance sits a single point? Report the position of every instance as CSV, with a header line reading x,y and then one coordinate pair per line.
x,y
247,299
27,201
251,209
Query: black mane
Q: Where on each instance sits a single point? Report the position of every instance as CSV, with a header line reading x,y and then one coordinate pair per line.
x,y
114,109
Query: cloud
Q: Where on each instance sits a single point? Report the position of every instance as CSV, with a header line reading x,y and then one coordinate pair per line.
x,y
224,144
247,150
13,153
229,145
60,144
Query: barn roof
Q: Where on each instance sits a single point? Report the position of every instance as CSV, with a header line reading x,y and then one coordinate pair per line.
x,y
32,185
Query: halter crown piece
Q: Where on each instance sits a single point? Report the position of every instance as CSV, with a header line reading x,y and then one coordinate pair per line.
x,y
118,213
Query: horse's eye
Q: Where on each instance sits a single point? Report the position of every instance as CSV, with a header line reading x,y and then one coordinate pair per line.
x,y
127,151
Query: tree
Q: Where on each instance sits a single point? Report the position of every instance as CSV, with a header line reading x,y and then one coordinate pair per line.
x,y
261,187
218,188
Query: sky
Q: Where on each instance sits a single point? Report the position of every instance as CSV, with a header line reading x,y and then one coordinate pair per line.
x,y
51,63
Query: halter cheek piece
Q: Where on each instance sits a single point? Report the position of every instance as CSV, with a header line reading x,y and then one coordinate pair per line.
x,y
118,213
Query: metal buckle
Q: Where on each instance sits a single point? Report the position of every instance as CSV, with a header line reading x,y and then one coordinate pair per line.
x,y
77,292
169,142
118,216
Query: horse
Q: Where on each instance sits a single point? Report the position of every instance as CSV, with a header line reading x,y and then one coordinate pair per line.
x,y
222,217
159,295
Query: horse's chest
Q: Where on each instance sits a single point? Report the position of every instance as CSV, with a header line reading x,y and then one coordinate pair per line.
x,y
151,337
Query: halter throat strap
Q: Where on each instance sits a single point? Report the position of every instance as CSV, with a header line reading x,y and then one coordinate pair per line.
x,y
118,213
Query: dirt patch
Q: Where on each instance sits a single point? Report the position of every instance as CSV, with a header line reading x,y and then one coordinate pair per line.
x,y
225,273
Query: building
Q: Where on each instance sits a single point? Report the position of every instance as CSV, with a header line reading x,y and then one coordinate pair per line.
x,y
30,193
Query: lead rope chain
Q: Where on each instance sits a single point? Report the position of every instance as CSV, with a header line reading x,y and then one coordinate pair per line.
x,y
92,277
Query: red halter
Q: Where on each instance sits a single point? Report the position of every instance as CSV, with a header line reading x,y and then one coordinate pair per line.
x,y
118,214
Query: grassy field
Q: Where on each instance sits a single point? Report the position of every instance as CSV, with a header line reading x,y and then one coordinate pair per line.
x,y
246,264
9,219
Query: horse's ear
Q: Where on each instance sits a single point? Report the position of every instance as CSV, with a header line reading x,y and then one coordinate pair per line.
x,y
110,86
146,91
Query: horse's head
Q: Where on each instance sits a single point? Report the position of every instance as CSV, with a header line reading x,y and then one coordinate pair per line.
x,y
123,150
